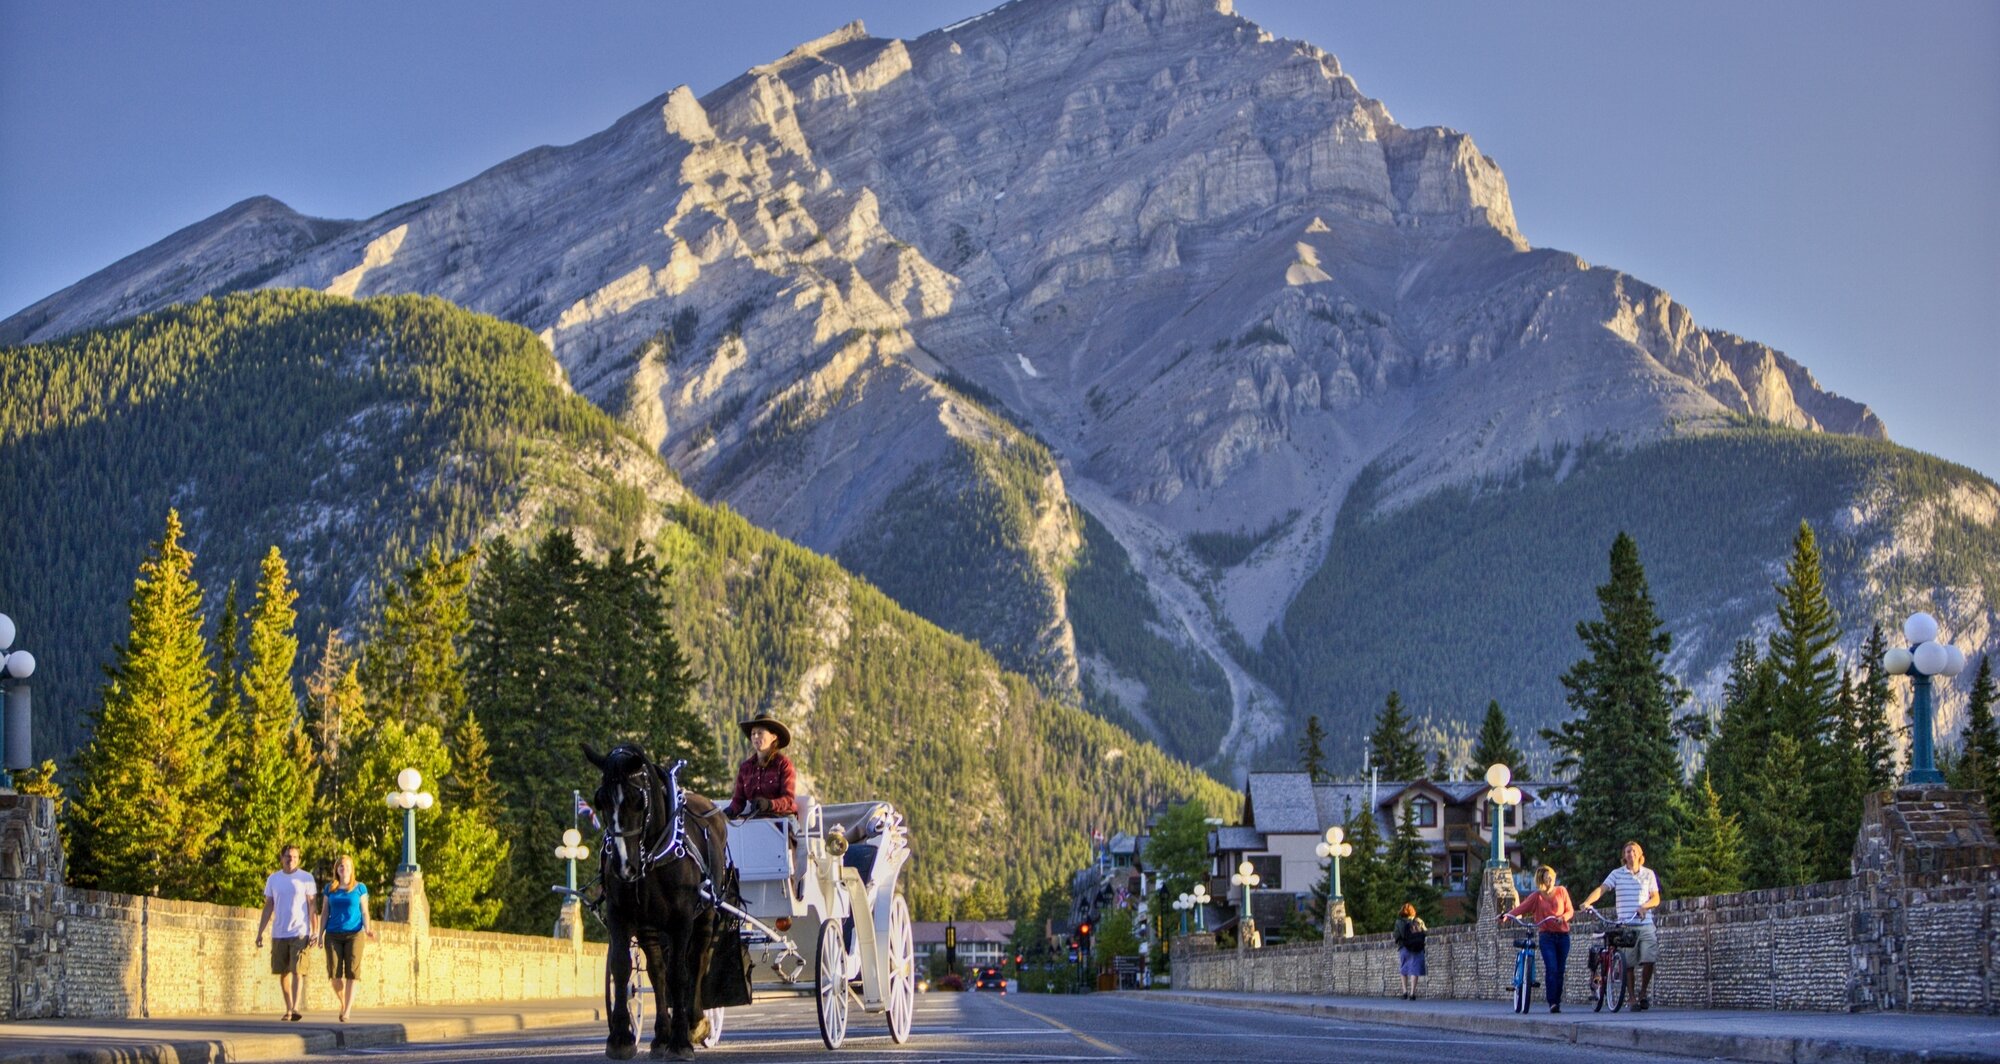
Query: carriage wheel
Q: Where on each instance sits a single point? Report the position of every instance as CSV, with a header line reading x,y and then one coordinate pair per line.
x,y
831,985
714,1017
902,972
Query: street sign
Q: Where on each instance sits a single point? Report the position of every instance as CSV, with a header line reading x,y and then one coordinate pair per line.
x,y
1128,965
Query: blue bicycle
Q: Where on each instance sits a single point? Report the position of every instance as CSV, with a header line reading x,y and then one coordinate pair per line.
x,y
1526,949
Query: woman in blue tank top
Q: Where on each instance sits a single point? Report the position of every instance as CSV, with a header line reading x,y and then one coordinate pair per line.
x,y
343,920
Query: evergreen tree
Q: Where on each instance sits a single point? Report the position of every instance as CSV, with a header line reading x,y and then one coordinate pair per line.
x,y
148,783
1620,745
1875,739
1496,745
1708,857
1365,879
1737,751
1177,849
1312,754
1847,782
1409,869
230,723
1394,741
461,853
1802,650
1441,765
413,669
337,727
270,768
1781,855
1982,739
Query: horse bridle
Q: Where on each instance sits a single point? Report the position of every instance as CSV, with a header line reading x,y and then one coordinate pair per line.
x,y
617,849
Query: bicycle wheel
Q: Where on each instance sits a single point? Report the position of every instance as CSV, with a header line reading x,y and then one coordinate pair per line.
x,y
1524,979
1614,980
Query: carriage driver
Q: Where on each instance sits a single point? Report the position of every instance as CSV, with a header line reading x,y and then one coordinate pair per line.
x,y
766,783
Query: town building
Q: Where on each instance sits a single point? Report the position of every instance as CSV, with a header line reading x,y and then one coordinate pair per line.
x,y
981,943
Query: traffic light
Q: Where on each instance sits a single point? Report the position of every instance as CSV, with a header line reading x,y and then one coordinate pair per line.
x,y
1017,966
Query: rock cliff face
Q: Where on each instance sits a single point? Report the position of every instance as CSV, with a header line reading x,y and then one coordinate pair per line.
x,y
1211,276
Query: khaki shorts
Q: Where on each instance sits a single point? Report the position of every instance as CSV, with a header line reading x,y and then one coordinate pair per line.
x,y
1647,949
285,954
343,954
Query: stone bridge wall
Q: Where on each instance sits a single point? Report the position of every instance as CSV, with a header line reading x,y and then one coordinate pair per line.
x,y
71,952
1917,928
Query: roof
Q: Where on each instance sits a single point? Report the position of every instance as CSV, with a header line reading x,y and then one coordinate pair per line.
x,y
1238,837
1281,803
931,932
1122,843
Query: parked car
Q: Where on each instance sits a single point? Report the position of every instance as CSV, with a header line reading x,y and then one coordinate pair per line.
x,y
990,979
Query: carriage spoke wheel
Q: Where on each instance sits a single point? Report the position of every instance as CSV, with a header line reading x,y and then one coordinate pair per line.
x,y
902,972
831,985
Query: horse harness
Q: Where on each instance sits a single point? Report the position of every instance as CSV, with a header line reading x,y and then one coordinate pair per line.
x,y
674,847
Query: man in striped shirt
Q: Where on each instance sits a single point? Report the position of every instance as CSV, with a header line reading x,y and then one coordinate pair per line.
x,y
1638,892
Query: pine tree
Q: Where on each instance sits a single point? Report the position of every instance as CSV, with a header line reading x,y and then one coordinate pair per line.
x,y
1620,745
1802,649
148,783
272,769
1365,880
460,853
413,669
1982,739
230,723
1312,754
1394,740
1876,740
1708,857
1496,745
1409,869
1780,854
337,728
1737,751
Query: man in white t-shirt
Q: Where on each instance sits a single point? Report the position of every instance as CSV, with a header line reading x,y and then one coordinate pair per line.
x,y
1638,892
288,895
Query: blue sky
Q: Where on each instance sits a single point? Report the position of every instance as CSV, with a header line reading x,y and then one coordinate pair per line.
x,y
1817,176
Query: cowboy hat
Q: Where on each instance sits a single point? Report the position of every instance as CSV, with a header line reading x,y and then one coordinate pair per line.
x,y
764,719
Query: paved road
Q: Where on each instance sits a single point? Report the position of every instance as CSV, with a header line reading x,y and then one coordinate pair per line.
x,y
992,1027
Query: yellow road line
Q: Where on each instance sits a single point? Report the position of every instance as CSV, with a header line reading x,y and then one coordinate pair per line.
x,y
1067,1029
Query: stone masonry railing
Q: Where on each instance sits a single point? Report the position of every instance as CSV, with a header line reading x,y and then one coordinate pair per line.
x,y
86,953
1917,928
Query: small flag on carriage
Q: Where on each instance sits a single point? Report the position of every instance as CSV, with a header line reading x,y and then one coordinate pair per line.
x,y
583,808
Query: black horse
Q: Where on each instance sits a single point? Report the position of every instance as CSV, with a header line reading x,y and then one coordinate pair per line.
x,y
657,848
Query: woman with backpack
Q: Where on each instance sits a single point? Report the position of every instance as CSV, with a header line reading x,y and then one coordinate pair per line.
x,y
1409,936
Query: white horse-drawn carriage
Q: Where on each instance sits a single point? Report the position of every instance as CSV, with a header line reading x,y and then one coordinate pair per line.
x,y
821,913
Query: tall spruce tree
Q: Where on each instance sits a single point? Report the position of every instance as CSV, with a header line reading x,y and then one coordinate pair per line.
x,y
1394,741
1802,649
230,722
1780,854
336,723
1312,750
413,670
1744,733
1982,739
271,766
1496,745
1365,881
1409,869
1620,744
1708,856
149,782
1875,737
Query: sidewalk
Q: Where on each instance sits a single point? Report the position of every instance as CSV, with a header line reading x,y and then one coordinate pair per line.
x,y
219,1039
1781,1037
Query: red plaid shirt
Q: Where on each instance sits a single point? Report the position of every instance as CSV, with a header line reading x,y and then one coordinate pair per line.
x,y
777,781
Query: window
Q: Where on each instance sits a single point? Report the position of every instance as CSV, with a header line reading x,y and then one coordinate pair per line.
x,y
1457,865
1268,868
1426,812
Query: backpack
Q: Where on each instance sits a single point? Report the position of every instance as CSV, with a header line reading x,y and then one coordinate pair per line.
x,y
1412,936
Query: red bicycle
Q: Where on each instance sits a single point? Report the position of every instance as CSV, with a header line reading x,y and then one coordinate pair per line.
x,y
1610,978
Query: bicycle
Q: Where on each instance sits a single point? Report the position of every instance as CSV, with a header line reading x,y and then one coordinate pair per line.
x,y
1610,977
1526,948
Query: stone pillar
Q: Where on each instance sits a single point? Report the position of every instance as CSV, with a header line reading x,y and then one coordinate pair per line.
x,y
1338,926
1494,955
569,922
408,905
32,969
1924,830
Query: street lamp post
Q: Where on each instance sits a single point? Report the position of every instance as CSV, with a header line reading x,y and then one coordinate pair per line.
x,y
571,851
1333,849
16,742
1181,905
409,800
1500,798
1198,901
1925,658
1246,877
569,922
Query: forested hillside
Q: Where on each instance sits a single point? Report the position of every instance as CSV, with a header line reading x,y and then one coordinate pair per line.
x,y
352,434
1474,593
